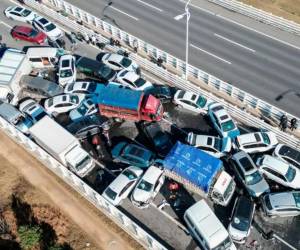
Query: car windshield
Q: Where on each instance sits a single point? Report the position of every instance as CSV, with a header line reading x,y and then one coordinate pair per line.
x,y
74,99
50,102
50,27
105,71
297,198
144,185
65,73
110,193
33,33
92,87
82,109
290,174
218,144
126,62
201,101
25,13
227,126
265,138
140,82
224,245
253,178
129,174
82,164
229,190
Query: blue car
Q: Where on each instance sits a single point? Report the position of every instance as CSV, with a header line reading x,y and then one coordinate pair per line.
x,y
132,154
222,121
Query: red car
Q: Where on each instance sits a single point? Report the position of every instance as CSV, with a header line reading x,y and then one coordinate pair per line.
x,y
28,34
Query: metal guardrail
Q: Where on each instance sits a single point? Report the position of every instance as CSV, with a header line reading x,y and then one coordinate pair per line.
x,y
135,231
259,15
69,13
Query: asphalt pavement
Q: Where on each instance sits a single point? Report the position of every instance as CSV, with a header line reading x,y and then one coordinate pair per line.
x,y
219,42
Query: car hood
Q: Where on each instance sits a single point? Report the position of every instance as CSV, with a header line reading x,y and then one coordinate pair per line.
x,y
140,195
56,33
237,234
117,149
41,36
260,188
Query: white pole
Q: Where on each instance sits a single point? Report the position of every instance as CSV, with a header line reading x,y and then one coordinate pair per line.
x,y
187,40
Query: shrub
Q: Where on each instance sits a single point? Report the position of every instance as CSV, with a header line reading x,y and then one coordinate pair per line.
x,y
29,236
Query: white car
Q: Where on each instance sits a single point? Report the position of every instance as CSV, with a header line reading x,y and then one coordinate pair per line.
x,y
19,13
49,28
81,88
85,108
288,154
148,187
256,142
118,62
31,108
67,70
279,171
121,187
191,101
133,80
62,103
217,147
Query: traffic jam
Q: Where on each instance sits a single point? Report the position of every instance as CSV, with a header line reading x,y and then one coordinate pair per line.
x,y
160,146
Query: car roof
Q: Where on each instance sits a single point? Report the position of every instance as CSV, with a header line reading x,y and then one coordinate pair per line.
x,y
131,76
24,29
190,96
282,199
249,138
245,162
136,150
42,20
17,9
115,57
204,140
152,174
275,164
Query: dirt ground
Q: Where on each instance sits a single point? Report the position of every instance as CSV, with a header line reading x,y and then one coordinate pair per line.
x,y
74,220
289,9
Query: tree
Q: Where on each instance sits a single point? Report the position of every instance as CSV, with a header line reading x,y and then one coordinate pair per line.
x,y
29,236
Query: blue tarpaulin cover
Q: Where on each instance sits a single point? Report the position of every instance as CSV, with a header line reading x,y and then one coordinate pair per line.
x,y
193,165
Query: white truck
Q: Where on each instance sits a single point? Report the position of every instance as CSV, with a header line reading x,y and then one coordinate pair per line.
x,y
62,145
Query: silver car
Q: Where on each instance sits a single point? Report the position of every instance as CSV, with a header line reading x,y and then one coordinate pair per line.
x,y
248,174
282,204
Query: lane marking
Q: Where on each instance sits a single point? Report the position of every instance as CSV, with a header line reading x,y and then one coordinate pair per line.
x,y
258,32
233,42
124,13
197,7
150,5
204,51
6,24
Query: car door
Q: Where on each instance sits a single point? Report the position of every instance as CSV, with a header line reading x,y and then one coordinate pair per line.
x,y
24,36
17,16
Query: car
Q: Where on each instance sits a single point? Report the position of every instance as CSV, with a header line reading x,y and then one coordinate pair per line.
x,y
241,219
279,171
66,70
121,187
49,28
31,108
248,174
118,62
147,187
283,204
222,121
61,103
190,101
256,142
162,92
287,154
20,13
133,80
81,88
85,108
215,146
28,34
160,140
132,154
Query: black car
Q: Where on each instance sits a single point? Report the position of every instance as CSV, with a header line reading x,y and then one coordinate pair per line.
x,y
241,219
160,140
163,92
94,69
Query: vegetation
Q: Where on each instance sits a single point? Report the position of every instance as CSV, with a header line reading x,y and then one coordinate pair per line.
x,y
30,237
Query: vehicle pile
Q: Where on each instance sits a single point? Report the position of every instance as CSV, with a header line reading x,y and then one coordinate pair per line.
x,y
60,99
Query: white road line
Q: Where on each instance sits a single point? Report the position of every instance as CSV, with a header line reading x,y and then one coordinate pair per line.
x,y
233,42
124,13
261,33
150,5
217,57
6,24
199,8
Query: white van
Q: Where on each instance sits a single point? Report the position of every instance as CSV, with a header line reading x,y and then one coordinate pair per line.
x,y
42,57
206,228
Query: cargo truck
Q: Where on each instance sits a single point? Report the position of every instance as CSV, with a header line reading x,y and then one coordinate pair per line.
x,y
199,172
62,145
129,104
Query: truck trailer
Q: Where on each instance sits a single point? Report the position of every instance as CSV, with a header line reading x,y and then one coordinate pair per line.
x,y
199,172
62,145
129,104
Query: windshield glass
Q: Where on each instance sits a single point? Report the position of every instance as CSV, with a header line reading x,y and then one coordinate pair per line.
x,y
240,223
265,138
229,190
33,33
126,62
129,174
65,73
224,245
82,109
218,144
50,27
74,99
140,82
253,178
83,163
25,12
144,185
297,198
92,87
105,71
227,126
290,174
110,193
201,101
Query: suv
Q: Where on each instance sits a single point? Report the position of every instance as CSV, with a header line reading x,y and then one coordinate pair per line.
x,y
248,174
67,71
288,154
49,28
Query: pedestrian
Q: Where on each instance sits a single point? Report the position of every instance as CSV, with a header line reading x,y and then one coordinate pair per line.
x,y
159,61
86,37
294,124
93,39
135,45
283,122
